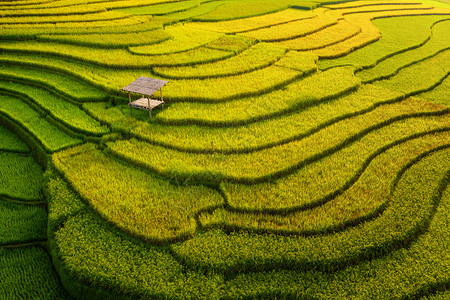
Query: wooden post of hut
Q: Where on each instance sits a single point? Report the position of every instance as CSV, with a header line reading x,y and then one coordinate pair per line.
x,y
146,87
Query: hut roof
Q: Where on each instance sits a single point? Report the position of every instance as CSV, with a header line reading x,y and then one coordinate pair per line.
x,y
145,85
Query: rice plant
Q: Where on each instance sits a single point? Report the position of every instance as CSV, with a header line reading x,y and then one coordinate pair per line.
x,y
273,162
440,94
11,142
369,33
292,29
20,223
248,84
50,136
118,58
92,75
21,177
161,9
399,273
36,21
328,36
319,87
27,272
119,265
128,25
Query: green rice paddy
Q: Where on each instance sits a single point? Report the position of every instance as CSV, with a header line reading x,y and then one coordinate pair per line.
x,y
303,151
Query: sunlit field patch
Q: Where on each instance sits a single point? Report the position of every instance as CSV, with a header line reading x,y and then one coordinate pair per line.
x,y
117,58
113,40
292,29
258,56
150,207
331,35
250,8
353,203
181,39
252,23
273,162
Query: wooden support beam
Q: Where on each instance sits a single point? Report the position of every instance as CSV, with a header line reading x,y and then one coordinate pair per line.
x,y
129,104
162,99
149,107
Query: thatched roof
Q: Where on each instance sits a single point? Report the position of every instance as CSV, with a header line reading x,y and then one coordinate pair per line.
x,y
145,85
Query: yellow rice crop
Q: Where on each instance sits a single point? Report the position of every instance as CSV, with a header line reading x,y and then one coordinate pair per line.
x,y
241,25
113,40
256,82
123,21
118,57
313,88
70,10
104,4
325,37
258,56
183,38
309,181
352,4
269,163
134,200
20,4
293,29
100,16
369,33
379,8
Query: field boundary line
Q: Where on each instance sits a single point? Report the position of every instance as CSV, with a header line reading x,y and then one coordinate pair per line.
x,y
21,201
53,69
39,242
384,77
38,150
49,115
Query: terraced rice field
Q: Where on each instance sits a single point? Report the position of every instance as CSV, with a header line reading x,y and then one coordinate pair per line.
x,y
303,151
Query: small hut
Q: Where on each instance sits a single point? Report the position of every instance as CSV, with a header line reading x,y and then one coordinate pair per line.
x,y
145,87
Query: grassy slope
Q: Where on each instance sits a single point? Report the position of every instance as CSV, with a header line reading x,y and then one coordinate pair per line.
x,y
351,195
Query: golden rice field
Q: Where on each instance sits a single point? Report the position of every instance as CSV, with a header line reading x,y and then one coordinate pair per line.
x,y
303,151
